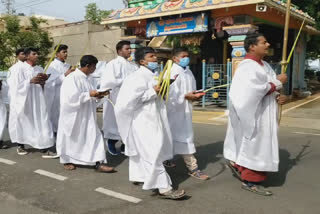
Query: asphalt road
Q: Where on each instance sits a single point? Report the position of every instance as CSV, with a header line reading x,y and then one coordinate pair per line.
x,y
296,186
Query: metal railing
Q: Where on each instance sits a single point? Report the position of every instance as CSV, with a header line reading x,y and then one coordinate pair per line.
x,y
215,75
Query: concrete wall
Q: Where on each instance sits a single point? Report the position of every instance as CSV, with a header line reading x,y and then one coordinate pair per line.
x,y
86,38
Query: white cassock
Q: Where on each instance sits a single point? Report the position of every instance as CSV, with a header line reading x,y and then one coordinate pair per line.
x,y
3,114
252,135
180,110
14,68
10,82
115,73
144,129
79,139
29,119
57,70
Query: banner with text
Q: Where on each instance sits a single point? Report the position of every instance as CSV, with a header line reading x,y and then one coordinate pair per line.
x,y
178,25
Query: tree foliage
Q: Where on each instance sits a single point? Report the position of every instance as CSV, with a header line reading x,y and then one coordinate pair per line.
x,y
94,14
312,7
15,37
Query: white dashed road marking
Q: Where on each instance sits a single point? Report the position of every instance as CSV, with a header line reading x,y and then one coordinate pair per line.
x,y
6,161
118,195
50,175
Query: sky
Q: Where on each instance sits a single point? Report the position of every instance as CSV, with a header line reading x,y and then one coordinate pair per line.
x,y
69,10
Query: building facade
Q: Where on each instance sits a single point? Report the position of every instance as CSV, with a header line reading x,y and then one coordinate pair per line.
x,y
217,29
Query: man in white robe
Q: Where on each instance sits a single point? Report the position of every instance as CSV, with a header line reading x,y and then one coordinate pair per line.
x,y
112,77
58,69
21,58
251,143
3,117
29,119
79,139
182,93
144,128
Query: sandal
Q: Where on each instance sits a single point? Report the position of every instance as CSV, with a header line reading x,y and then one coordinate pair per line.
x,y
169,164
69,166
173,194
104,168
198,174
258,189
234,170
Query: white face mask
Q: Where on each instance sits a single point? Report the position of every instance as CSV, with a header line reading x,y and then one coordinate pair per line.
x,y
184,62
152,66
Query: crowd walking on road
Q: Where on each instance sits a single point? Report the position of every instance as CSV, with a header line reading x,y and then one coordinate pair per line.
x,y
54,110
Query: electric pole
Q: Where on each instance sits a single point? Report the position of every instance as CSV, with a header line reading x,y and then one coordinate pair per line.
x,y
125,2
9,5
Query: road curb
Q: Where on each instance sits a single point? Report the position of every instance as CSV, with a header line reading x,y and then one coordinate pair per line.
x,y
300,101
285,106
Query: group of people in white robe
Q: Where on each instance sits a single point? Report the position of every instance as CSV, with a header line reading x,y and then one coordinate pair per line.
x,y
55,111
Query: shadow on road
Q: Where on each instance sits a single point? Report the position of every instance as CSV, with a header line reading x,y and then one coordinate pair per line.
x,y
115,161
287,163
206,154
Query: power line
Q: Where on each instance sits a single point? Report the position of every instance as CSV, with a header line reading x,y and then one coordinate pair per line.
x,y
10,9
57,15
34,4
26,3
9,6
29,2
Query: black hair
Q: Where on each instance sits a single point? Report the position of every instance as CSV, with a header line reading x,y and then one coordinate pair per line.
x,y
62,47
88,60
251,39
27,51
141,53
120,45
177,51
18,51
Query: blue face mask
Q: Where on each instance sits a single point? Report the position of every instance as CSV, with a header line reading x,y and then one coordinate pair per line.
x,y
152,65
184,62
